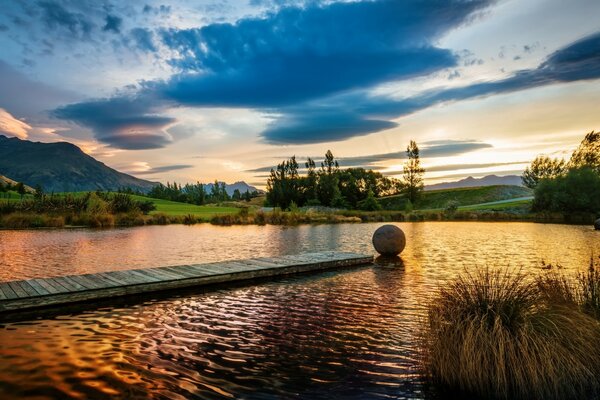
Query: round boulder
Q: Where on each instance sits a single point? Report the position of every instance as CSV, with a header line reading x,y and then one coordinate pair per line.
x,y
597,224
389,240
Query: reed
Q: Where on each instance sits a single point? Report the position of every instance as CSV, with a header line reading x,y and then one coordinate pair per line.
x,y
498,335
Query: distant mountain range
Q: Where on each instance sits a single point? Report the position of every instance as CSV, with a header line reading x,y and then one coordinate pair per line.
x,y
489,180
230,188
63,167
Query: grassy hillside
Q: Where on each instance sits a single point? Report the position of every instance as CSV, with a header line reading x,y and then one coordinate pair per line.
x,y
437,199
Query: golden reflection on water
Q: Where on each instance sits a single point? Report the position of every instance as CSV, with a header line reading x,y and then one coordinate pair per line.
x,y
442,245
348,333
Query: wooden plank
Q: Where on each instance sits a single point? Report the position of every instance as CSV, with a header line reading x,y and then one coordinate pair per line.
x,y
144,277
14,285
35,293
61,280
30,290
7,291
46,284
85,281
38,288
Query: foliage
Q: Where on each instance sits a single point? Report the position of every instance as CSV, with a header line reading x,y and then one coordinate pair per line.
x,y
370,203
576,192
542,167
328,186
451,208
498,335
197,193
588,153
413,173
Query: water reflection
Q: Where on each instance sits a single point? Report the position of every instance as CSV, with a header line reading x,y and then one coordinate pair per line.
x,y
337,334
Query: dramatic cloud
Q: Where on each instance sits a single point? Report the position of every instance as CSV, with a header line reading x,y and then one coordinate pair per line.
x,y
576,62
287,57
299,54
12,126
312,68
430,149
123,122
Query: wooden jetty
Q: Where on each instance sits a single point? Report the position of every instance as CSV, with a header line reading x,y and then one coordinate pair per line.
x,y
45,292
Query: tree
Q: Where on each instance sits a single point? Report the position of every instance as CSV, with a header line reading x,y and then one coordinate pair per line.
x,y
413,173
39,192
542,167
328,192
237,196
20,188
575,192
370,203
588,153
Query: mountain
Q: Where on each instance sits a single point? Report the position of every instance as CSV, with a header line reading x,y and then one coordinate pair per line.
x,y
230,188
489,180
60,167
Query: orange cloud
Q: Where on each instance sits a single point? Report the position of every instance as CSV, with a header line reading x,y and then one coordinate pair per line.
x,y
12,126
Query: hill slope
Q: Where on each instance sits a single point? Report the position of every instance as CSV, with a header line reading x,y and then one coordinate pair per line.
x,y
489,180
464,196
60,167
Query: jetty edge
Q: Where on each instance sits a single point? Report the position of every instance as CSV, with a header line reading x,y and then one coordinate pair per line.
x,y
64,290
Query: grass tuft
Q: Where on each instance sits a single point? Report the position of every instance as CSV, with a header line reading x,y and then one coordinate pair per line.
x,y
498,335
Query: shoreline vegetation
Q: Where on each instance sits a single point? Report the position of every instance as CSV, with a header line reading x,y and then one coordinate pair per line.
x,y
556,191
107,210
501,334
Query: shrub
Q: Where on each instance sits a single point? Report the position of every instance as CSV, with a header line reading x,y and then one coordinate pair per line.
x,y
451,208
497,335
589,286
189,219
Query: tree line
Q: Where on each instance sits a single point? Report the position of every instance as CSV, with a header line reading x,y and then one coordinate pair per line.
x,y
331,186
571,186
198,193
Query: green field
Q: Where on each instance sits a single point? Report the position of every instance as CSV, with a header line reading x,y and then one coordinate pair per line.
x,y
162,206
438,199
175,208
518,205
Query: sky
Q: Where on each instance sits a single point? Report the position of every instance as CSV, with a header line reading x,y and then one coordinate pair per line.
x,y
201,90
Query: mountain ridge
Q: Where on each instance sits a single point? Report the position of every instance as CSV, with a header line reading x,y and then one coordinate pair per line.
x,y
488,180
61,167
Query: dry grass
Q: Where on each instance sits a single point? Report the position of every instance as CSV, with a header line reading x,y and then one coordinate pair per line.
x,y
497,335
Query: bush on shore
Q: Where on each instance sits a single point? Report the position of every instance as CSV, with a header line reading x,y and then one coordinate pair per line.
x,y
499,335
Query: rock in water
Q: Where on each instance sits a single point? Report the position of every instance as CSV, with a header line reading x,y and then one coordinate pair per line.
x,y
389,240
597,224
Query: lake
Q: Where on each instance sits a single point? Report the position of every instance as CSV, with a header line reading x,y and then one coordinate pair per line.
x,y
349,333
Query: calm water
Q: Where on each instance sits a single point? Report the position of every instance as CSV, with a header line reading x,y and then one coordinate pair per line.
x,y
342,334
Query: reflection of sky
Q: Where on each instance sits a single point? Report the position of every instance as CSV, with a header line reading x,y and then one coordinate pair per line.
x,y
168,93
